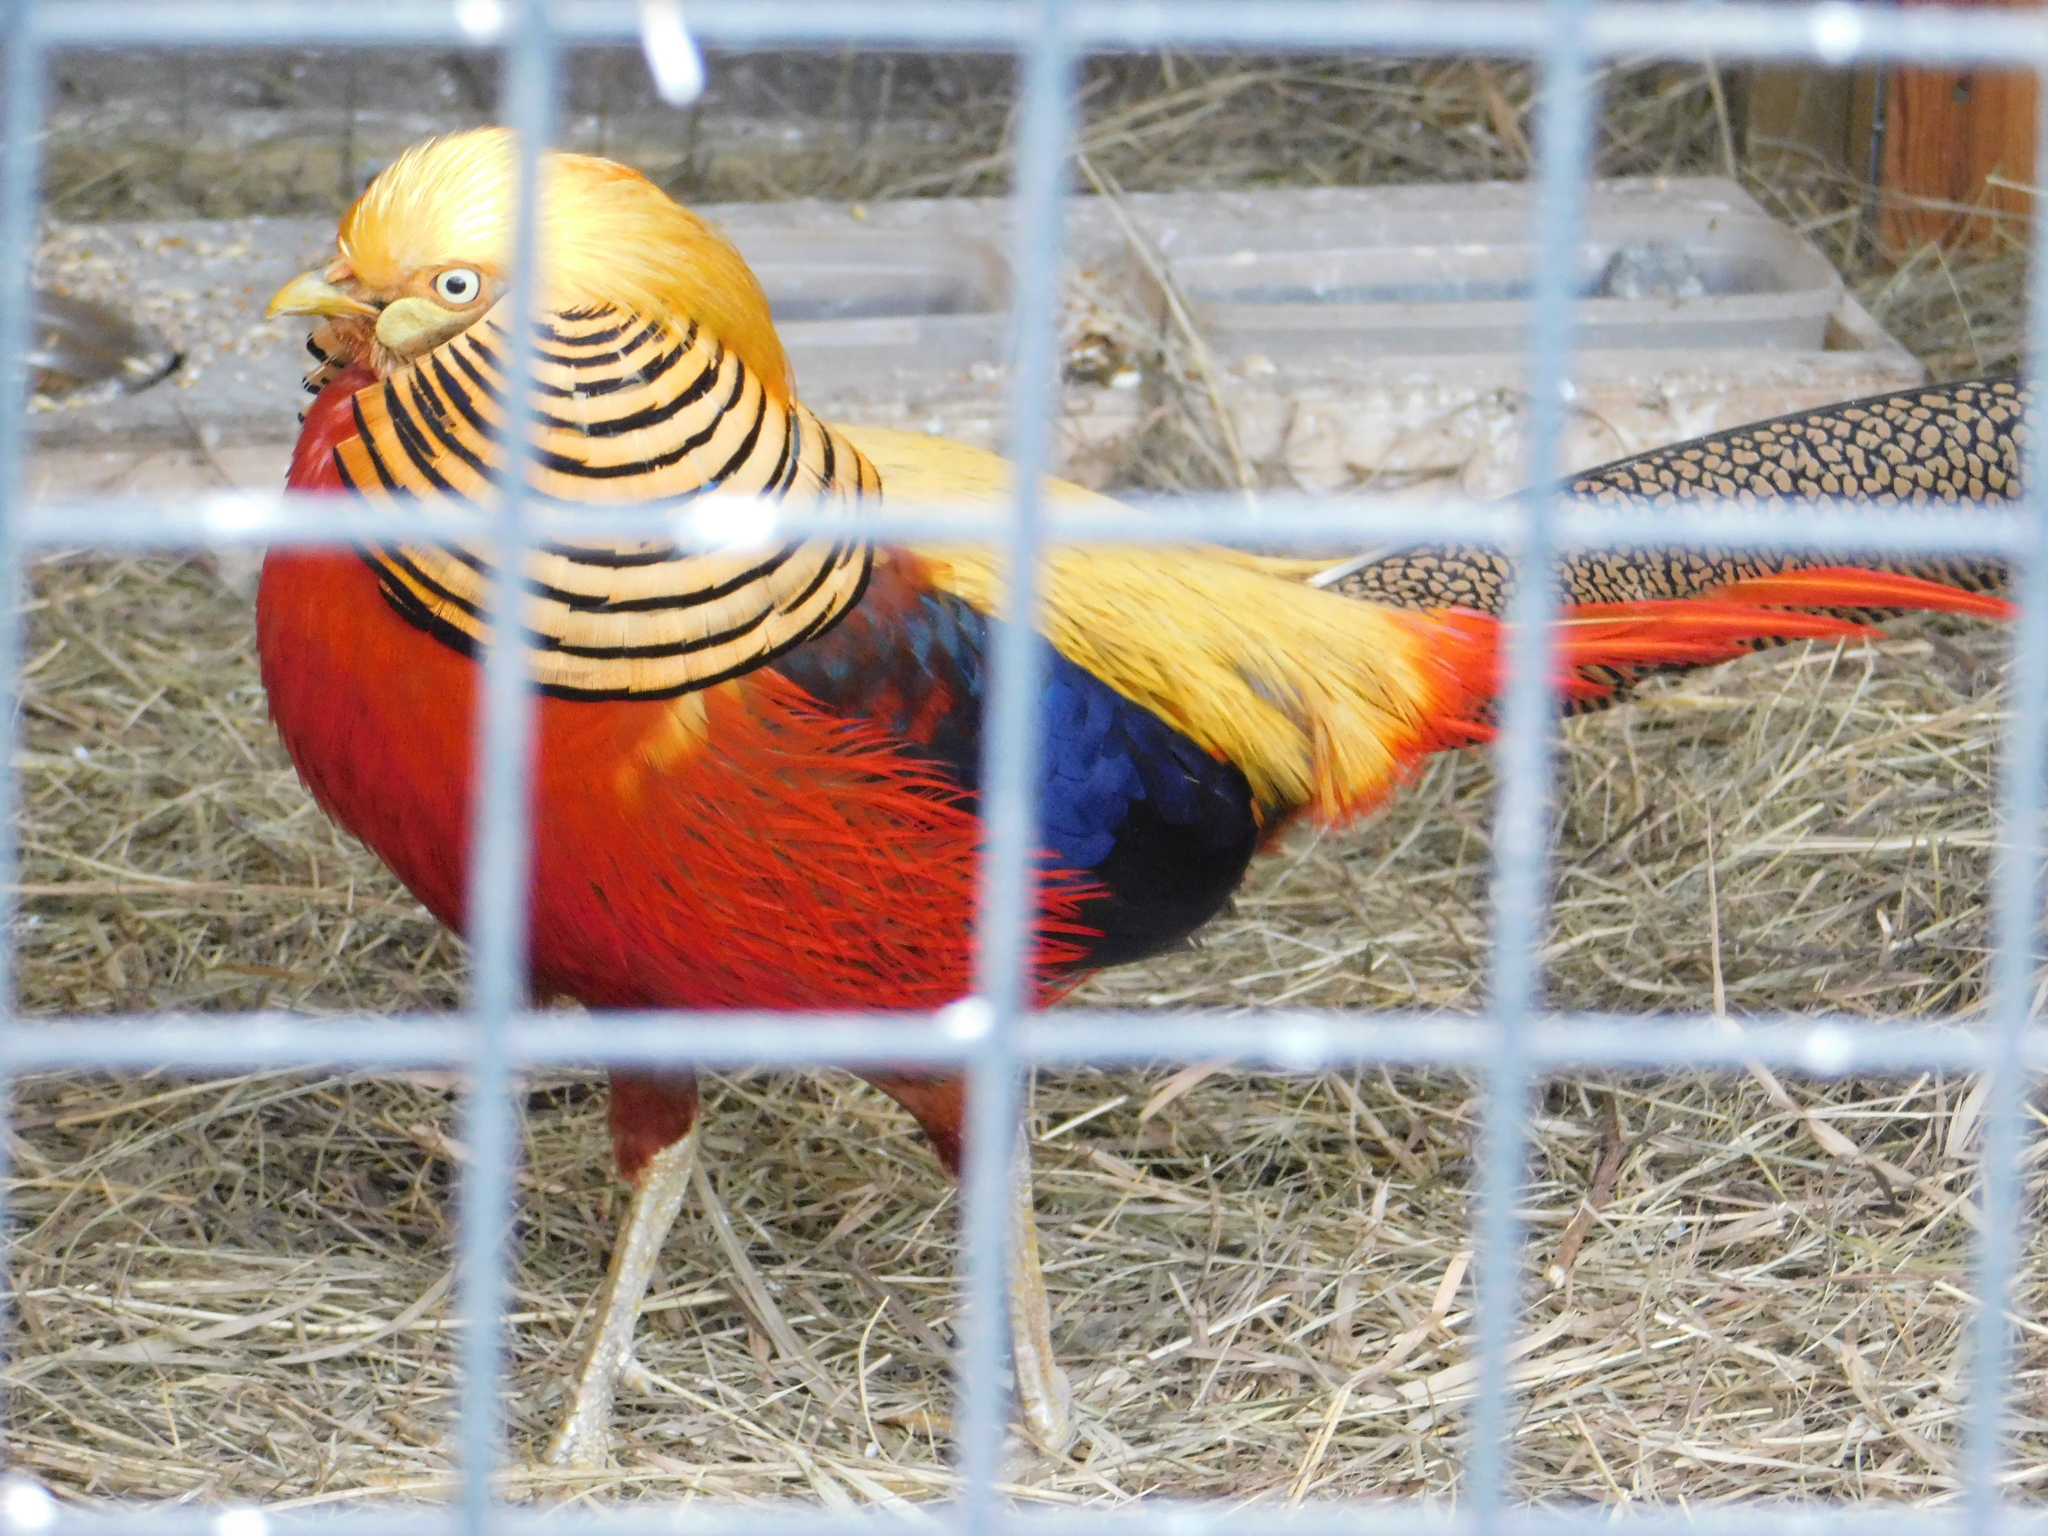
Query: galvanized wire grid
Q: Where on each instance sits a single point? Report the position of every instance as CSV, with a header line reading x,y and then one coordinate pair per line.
x,y
995,1036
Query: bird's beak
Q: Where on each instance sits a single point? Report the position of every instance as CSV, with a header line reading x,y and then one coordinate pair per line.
x,y
311,294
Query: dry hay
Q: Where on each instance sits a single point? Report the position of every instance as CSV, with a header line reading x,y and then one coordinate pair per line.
x,y
237,1289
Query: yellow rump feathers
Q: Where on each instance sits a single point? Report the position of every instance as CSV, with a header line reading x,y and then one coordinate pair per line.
x,y
608,235
1322,701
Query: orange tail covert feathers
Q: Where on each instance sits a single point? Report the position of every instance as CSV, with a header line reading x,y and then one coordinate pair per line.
x,y
1699,631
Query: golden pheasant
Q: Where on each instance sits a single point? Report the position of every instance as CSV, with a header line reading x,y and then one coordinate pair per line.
x,y
756,773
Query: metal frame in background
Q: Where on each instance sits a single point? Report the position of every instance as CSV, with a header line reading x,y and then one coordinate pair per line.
x,y
995,1035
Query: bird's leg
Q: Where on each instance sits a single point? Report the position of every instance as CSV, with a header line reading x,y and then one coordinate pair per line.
x,y
1043,1395
645,1112
584,1438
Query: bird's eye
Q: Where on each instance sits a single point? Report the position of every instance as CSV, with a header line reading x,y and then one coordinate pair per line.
x,y
458,285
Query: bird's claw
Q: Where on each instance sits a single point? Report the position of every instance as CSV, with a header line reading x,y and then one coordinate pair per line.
x,y
1047,1405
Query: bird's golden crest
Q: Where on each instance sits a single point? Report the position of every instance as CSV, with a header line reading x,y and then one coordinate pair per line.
x,y
657,375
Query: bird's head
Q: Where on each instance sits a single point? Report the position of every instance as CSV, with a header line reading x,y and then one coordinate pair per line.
x,y
426,252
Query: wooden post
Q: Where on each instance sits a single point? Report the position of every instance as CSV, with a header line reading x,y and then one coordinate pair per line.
x,y
1946,131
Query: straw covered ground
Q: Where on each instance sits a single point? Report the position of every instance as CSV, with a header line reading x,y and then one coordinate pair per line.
x,y
1738,1285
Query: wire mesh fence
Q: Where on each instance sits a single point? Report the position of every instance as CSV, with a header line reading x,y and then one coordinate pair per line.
x,y
995,1035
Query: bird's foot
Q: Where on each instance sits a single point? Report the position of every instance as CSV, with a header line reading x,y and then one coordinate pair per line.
x,y
1046,1399
582,1443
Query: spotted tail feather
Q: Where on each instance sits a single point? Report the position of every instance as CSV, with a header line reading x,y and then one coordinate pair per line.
x,y
1957,443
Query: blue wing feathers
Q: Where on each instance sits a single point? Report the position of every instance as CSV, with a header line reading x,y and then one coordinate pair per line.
x,y
1163,827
